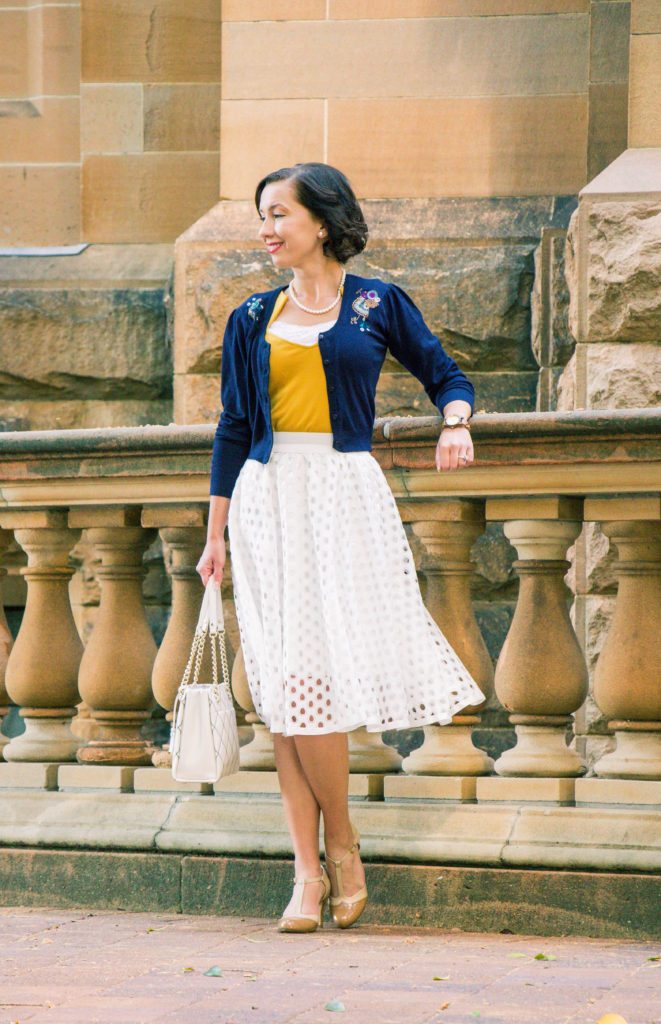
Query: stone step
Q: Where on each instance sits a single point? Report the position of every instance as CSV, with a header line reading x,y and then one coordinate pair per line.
x,y
507,900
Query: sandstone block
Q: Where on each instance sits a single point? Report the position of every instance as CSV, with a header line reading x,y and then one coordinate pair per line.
x,y
197,397
608,124
60,50
469,151
552,343
15,35
609,41
540,56
645,17
52,137
644,86
140,42
250,147
147,198
84,343
593,561
273,10
621,301
475,298
452,8
182,116
111,118
54,414
612,376
40,205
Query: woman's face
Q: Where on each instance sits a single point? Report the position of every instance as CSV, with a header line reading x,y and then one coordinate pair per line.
x,y
289,231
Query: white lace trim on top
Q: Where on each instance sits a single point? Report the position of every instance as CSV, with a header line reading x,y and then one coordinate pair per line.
x,y
300,334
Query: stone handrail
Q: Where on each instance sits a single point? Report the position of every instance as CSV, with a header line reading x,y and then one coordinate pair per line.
x,y
541,474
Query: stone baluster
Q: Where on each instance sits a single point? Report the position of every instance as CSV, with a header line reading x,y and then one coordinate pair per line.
x,y
627,680
182,531
541,676
115,671
447,531
258,754
42,668
6,643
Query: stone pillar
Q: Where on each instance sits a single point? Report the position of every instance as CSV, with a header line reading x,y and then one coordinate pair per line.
x,y
627,682
6,643
541,677
447,530
613,263
116,668
258,754
369,753
42,668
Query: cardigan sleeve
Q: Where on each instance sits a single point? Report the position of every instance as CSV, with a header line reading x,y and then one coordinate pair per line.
x,y
233,436
415,347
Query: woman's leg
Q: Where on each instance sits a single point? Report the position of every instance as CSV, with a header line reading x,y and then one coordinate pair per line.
x,y
325,763
302,814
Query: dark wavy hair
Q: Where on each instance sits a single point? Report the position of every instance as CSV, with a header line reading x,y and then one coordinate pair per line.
x,y
327,194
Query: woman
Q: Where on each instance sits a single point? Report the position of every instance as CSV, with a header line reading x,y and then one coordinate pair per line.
x,y
333,628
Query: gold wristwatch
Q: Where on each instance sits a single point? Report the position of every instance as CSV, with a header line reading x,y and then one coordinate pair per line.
x,y
456,421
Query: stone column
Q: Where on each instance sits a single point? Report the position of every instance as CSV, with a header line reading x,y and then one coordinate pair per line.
x,y
613,263
42,668
116,668
627,681
6,643
447,531
258,753
541,676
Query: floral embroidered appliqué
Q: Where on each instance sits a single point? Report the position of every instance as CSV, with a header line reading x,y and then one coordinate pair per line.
x,y
362,304
255,307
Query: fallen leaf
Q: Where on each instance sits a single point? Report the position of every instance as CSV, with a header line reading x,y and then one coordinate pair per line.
x,y
444,1006
445,977
189,968
214,972
543,956
335,1005
654,958
524,955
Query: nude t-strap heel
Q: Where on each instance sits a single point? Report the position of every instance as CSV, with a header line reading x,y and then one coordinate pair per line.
x,y
347,909
300,922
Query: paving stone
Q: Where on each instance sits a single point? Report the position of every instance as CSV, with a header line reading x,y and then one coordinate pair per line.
x,y
382,974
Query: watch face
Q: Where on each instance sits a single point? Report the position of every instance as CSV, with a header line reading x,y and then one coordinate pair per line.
x,y
452,421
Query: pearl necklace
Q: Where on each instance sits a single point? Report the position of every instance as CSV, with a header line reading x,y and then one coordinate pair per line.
x,y
326,309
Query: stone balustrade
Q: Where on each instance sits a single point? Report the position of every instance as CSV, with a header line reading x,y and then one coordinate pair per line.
x,y
542,475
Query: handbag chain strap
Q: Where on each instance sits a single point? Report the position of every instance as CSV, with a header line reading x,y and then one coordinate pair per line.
x,y
208,625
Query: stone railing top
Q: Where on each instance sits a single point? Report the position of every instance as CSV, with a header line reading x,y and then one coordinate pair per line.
x,y
577,453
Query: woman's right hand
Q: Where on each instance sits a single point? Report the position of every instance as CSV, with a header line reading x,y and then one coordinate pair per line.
x,y
212,561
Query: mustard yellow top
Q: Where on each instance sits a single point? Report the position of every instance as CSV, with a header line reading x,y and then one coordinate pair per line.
x,y
297,382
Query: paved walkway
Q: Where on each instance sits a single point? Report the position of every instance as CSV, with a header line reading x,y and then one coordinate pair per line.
x,y
82,967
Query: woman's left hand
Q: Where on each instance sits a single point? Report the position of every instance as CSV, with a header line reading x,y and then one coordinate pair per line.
x,y
454,449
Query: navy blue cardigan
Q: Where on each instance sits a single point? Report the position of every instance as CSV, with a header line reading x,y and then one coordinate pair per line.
x,y
375,317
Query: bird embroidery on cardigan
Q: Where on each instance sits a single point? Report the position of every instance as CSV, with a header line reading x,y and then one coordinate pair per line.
x,y
365,301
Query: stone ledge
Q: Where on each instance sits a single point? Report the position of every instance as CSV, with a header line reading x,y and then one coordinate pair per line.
x,y
429,787
631,792
531,902
432,831
525,790
107,777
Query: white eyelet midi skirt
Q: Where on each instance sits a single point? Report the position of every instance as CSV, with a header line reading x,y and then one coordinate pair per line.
x,y
334,631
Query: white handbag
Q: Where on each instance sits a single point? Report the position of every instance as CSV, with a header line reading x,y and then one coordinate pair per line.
x,y
204,738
